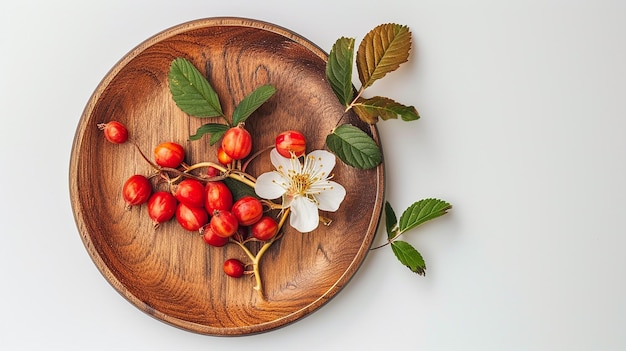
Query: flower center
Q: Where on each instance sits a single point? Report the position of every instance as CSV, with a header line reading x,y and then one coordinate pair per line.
x,y
303,178
300,183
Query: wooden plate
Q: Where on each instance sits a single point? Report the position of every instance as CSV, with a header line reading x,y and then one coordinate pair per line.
x,y
170,273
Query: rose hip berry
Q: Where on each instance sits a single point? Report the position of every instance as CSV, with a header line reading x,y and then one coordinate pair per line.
x,y
234,268
218,197
237,143
265,229
137,190
169,154
190,192
209,236
161,207
222,157
224,223
191,218
212,172
290,141
114,132
248,210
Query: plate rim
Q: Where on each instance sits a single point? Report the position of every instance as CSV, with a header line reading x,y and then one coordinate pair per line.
x,y
103,268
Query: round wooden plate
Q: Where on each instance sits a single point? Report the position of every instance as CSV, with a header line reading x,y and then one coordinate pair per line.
x,y
170,273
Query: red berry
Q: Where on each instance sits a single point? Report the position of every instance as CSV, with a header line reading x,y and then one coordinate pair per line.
x,y
248,210
222,157
190,192
114,132
234,268
237,143
209,236
212,172
137,190
191,218
161,207
224,223
289,142
218,197
265,228
169,154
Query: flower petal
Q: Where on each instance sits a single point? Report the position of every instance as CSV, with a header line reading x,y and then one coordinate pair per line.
x,y
325,162
282,164
304,216
331,198
270,185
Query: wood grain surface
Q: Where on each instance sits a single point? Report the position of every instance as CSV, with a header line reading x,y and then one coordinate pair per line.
x,y
170,273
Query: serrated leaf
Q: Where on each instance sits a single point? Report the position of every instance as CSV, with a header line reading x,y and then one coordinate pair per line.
x,y
191,90
391,221
365,114
422,211
252,102
239,189
369,110
339,69
215,130
354,147
409,256
382,51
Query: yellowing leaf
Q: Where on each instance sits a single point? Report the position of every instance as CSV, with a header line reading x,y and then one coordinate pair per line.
x,y
382,51
369,110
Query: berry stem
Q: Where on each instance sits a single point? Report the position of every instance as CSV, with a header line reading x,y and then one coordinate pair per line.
x,y
227,173
358,95
230,173
256,259
244,175
244,249
255,155
152,164
396,235
380,246
238,176
349,106
272,205
206,164
238,173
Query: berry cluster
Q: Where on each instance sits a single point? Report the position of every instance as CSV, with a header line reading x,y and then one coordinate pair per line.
x,y
204,203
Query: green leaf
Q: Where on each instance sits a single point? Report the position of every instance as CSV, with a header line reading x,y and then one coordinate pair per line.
x,y
408,256
391,221
370,109
252,102
215,130
354,147
382,51
339,69
191,90
239,189
422,211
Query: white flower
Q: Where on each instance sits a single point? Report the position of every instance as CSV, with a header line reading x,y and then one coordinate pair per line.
x,y
304,188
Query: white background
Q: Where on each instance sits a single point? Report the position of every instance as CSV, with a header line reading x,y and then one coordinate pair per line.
x,y
522,130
